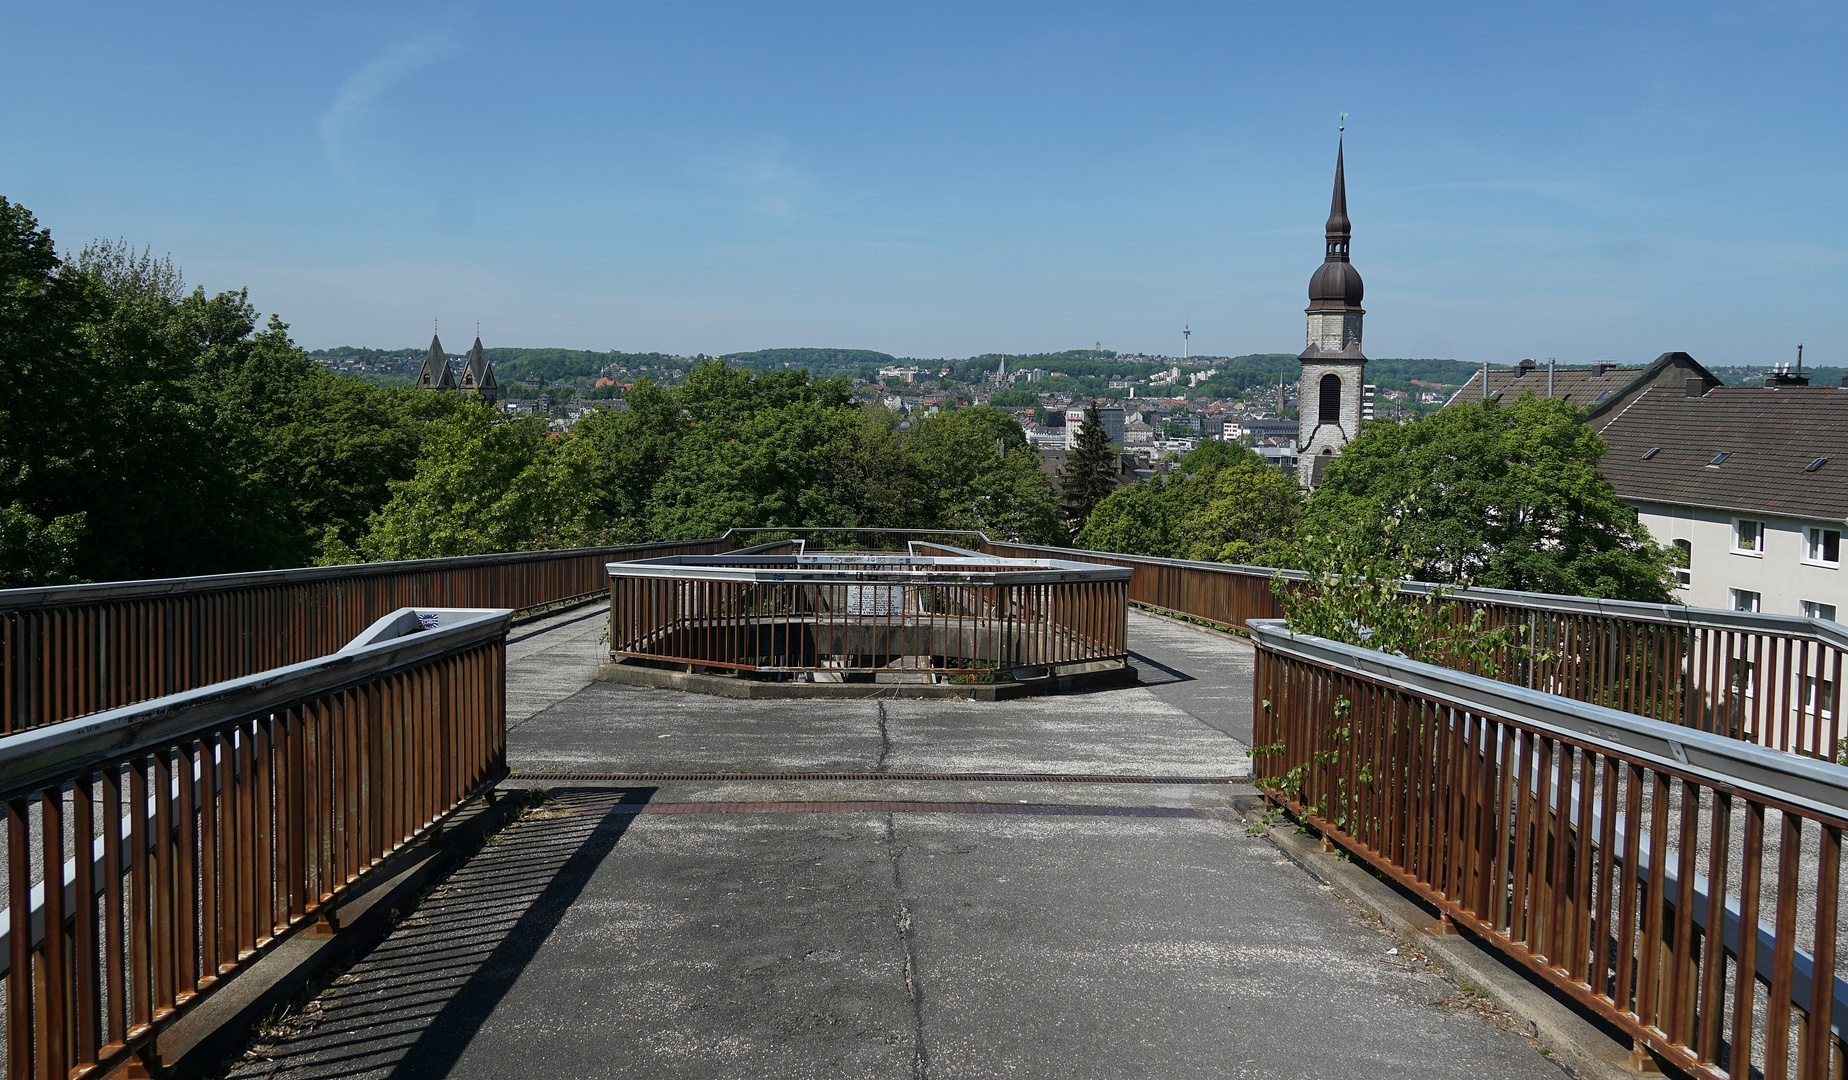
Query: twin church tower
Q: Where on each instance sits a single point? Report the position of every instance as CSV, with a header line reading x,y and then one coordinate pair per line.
x,y
1334,368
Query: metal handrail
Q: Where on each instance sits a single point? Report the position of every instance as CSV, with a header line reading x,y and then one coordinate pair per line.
x,y
153,588
1676,614
207,825
31,759
1803,784
1474,793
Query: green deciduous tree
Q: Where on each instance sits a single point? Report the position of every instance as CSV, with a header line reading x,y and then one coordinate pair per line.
x,y
1223,503
976,470
1499,496
485,482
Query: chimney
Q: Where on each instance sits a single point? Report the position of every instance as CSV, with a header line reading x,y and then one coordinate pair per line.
x,y
1525,366
1598,370
1698,387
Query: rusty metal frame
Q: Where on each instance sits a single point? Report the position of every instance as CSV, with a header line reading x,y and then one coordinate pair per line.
x,y
73,650
1542,824
834,614
255,807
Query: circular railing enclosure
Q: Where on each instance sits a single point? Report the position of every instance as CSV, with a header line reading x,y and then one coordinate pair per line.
x,y
840,617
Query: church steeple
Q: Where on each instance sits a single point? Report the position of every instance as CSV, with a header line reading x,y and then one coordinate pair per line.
x,y
436,373
1339,229
1336,285
478,375
1332,392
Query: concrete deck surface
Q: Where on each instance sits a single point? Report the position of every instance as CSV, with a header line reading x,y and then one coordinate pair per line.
x,y
915,929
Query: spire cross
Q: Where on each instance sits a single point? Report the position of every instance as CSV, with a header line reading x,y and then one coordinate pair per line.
x,y
1344,123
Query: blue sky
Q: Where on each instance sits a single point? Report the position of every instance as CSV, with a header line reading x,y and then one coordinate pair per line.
x,y
1583,181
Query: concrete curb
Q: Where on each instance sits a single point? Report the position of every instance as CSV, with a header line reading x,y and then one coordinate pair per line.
x,y
200,1043
1577,1041
748,689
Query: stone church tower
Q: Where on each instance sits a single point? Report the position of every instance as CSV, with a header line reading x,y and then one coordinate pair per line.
x,y
478,375
436,373
1334,369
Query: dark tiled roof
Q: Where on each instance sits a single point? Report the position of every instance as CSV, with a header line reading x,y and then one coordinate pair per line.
x,y
1578,384
1769,434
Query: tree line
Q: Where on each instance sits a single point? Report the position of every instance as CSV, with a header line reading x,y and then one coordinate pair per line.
x,y
1492,495
156,431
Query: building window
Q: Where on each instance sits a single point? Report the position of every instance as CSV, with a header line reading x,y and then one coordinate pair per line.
x,y
1813,610
1330,411
1743,673
1681,557
1744,600
1823,546
1749,538
1818,696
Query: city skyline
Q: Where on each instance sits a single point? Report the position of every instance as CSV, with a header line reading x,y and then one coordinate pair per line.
x,y
1530,182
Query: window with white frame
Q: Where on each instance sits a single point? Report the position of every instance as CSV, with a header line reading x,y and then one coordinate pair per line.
x,y
1681,555
1823,546
1749,537
1815,610
1744,600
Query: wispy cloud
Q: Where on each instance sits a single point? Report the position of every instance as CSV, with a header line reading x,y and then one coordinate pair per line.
x,y
770,183
364,86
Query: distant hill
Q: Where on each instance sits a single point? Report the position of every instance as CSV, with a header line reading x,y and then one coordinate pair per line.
x,y
1754,374
1084,371
559,365
818,361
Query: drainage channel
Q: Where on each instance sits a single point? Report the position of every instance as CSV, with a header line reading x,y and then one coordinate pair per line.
x,y
871,807
966,778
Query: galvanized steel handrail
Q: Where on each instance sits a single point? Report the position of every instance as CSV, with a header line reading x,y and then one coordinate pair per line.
x,y
1548,826
226,818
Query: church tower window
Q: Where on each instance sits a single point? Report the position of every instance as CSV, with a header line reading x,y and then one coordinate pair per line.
x,y
1330,411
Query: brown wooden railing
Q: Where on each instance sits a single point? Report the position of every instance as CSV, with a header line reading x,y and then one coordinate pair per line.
x,y
1774,680
78,649
224,819
1684,885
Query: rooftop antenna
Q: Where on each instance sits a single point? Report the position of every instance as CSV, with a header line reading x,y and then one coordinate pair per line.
x,y
1187,332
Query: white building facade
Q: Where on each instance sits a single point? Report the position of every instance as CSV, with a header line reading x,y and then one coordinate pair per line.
x,y
1749,484
1752,560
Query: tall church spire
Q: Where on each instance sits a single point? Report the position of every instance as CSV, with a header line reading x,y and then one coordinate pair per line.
x,y
436,373
1333,387
1339,229
478,375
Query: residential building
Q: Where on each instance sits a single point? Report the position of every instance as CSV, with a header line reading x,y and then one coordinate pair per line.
x,y
1604,389
1749,483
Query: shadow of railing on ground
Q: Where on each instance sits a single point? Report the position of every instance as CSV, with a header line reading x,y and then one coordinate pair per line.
x,y
411,1008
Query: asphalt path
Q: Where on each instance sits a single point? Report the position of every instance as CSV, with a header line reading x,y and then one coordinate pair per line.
x,y
917,928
